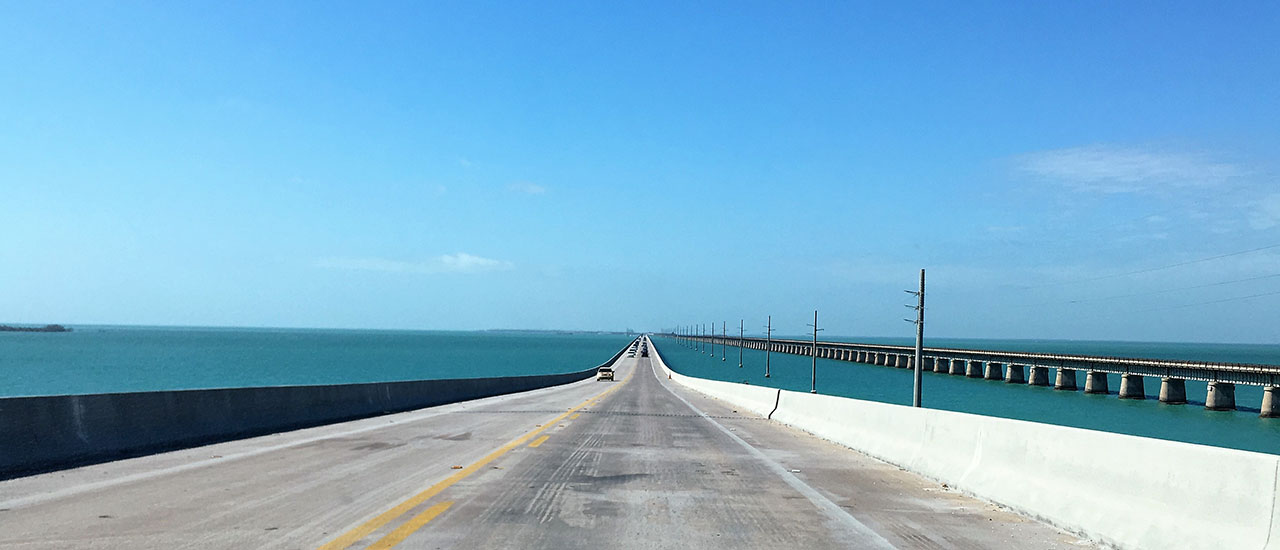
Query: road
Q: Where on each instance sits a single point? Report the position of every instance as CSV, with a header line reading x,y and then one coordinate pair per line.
x,y
638,463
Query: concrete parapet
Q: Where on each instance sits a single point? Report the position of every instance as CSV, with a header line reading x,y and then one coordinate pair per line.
x,y
973,369
1222,397
994,371
1015,375
49,432
1095,382
1066,380
1173,391
1270,402
1131,387
1038,376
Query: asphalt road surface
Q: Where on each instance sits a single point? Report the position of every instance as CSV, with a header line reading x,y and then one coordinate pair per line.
x,y
636,463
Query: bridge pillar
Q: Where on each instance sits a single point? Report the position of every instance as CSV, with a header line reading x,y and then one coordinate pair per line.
x,y
1173,391
1038,376
1131,387
897,361
957,367
1066,380
1095,382
940,365
862,357
1222,397
1015,375
1270,402
973,369
993,371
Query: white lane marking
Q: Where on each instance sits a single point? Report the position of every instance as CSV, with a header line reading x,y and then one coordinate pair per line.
x,y
865,537
142,476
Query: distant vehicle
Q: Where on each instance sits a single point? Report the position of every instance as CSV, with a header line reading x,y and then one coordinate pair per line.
x,y
605,373
644,352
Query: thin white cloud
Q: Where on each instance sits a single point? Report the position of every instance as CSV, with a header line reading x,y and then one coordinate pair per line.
x,y
447,263
464,162
527,188
1108,169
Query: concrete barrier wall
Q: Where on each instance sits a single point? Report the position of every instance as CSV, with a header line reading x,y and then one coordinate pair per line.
x,y
1126,491
50,432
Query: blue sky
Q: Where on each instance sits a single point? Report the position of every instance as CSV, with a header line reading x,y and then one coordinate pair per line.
x,y
610,165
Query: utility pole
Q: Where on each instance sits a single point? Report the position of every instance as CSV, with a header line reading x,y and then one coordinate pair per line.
x,y
919,359
713,340
742,323
813,353
702,330
724,339
768,344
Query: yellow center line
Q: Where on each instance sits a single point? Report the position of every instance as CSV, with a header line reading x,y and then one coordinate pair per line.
x,y
407,528
361,531
575,416
539,441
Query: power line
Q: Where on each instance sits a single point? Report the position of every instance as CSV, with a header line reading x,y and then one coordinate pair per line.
x,y
1149,293
1152,269
1213,302
1193,287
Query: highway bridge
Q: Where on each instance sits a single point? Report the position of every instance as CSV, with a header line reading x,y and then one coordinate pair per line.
x,y
1034,368
637,463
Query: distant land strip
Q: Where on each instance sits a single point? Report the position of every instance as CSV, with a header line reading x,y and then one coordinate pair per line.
x,y
46,328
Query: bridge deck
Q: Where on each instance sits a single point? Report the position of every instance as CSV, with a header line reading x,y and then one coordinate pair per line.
x,y
648,465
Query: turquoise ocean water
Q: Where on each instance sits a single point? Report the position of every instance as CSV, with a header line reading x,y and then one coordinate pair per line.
x,y
1241,429
101,359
